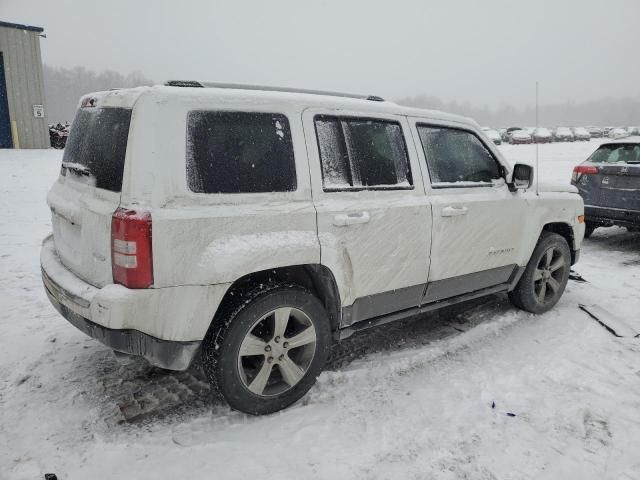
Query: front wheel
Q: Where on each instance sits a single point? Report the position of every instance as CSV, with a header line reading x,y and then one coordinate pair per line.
x,y
270,350
546,275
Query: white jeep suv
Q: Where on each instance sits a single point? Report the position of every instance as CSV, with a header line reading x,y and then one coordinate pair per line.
x,y
253,227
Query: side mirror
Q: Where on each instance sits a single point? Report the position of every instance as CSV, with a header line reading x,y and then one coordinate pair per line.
x,y
522,177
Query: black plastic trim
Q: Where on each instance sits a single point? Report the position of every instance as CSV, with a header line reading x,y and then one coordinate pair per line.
x,y
382,304
451,287
412,312
169,354
398,304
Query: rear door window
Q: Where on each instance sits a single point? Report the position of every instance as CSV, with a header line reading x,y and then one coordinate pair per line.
x,y
239,152
97,146
457,157
362,153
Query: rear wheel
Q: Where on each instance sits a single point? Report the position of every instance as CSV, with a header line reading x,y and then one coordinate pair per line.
x,y
270,350
546,275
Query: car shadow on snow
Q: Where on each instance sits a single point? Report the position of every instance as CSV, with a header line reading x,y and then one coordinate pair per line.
x,y
136,393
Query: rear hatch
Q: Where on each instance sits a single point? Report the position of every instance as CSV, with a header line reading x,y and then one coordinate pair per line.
x,y
615,179
88,190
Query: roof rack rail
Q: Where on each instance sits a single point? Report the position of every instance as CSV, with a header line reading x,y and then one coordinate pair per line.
x,y
268,88
183,83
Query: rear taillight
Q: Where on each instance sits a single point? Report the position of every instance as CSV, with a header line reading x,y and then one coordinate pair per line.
x,y
583,170
131,254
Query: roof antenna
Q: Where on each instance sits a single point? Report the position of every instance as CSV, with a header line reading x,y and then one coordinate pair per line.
x,y
537,144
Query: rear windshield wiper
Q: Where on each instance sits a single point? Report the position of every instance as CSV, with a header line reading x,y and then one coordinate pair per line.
x,y
77,168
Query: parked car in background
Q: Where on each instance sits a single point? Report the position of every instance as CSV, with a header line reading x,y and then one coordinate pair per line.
x,y
609,183
542,135
633,130
606,130
253,229
563,134
595,132
618,133
509,131
581,134
493,135
503,134
518,137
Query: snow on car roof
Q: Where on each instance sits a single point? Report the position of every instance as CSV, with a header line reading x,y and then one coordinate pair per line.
x,y
297,98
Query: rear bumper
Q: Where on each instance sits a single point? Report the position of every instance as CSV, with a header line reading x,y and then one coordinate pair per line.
x,y
164,325
612,216
161,353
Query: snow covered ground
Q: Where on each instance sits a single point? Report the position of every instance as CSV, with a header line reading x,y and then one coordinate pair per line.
x,y
478,391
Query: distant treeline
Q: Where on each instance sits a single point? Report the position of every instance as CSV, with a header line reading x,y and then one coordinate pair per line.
x,y
605,112
64,87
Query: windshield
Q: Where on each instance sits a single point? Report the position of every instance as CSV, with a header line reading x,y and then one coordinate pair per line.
x,y
628,153
97,145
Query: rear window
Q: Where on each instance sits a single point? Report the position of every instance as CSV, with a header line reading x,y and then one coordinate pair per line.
x,y
629,153
97,145
239,152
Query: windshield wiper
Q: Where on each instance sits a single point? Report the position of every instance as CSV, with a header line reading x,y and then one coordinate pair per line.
x,y
77,168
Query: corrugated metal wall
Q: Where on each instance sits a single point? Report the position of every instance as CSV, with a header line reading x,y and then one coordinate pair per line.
x,y
25,85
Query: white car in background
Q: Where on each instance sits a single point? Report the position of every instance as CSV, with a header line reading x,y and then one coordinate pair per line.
x,y
518,137
617,133
493,135
581,134
254,227
542,135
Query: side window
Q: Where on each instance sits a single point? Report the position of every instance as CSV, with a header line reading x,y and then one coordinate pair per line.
x,y
360,153
239,152
457,156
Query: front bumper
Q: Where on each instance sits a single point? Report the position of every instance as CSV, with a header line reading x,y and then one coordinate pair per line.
x,y
607,216
79,302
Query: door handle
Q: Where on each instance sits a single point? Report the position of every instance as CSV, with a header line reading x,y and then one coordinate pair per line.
x,y
345,219
454,211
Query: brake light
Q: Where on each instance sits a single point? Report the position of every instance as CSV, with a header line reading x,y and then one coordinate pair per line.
x,y
131,254
583,170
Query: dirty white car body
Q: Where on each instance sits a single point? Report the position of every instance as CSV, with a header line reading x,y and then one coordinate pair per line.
x,y
370,255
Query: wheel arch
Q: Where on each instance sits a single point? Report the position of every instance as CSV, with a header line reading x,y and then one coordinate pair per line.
x,y
317,278
565,231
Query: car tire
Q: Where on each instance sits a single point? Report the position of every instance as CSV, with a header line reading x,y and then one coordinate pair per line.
x,y
589,229
545,277
250,358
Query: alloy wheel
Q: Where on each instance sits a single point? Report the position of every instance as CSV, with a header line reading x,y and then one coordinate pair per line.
x,y
277,351
548,275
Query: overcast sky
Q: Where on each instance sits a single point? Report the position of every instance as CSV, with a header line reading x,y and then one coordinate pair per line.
x,y
487,52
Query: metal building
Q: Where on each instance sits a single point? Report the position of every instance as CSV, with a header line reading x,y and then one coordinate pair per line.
x,y
23,118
